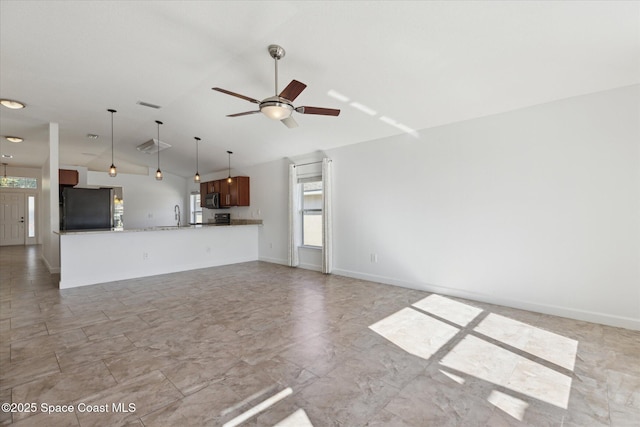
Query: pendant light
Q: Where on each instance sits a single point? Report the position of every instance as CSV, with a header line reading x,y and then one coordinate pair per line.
x,y
229,176
112,169
196,177
159,172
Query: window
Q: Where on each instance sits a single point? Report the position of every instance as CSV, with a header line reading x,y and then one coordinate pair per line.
x,y
195,211
31,216
312,213
18,182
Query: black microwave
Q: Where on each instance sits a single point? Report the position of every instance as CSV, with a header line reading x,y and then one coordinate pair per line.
x,y
212,200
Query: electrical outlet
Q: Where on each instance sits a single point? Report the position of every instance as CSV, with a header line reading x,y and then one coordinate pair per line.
x,y
374,258
145,256
270,245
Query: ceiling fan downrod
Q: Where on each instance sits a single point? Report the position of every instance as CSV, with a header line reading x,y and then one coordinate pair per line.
x,y
276,53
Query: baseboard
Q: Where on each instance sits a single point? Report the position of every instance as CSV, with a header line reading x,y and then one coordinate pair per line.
x,y
286,262
572,313
52,270
312,267
274,260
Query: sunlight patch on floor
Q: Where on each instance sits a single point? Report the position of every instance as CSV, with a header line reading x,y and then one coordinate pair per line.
x,y
421,334
499,366
258,408
509,404
297,419
544,344
454,377
453,311
415,332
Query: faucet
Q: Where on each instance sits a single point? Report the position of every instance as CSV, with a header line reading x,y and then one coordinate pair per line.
x,y
176,211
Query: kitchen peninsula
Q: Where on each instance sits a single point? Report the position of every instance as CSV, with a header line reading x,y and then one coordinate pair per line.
x,y
89,257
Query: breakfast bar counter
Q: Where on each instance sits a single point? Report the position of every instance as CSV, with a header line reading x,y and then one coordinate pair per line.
x,y
89,257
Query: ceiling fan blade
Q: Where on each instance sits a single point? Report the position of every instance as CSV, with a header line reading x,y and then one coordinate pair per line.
x,y
318,110
255,101
292,90
246,113
289,122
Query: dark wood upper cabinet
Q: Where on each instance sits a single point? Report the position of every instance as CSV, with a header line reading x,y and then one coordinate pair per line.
x,y
68,177
234,193
240,191
203,192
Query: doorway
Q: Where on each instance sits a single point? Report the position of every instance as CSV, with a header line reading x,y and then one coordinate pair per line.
x,y
12,219
17,218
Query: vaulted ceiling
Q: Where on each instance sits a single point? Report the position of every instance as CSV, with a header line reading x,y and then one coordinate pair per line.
x,y
417,64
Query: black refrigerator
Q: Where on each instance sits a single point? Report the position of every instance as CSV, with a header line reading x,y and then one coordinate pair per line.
x,y
86,209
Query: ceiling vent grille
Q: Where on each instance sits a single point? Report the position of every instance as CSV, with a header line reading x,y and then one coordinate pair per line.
x,y
151,146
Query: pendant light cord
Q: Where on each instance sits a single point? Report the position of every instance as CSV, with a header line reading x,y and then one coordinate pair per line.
x,y
159,123
112,168
158,172
112,111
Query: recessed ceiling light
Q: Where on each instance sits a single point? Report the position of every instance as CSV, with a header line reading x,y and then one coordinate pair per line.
x,y
92,136
10,103
7,156
13,138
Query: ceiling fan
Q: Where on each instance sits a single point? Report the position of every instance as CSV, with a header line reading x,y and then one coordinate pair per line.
x,y
280,107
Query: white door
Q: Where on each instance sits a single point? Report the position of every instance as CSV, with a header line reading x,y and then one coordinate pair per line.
x,y
11,219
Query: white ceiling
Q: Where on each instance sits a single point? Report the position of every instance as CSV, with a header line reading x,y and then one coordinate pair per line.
x,y
423,64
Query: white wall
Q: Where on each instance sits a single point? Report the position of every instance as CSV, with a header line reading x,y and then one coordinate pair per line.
x,y
537,208
269,201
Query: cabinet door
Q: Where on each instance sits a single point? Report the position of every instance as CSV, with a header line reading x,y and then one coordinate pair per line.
x,y
233,192
242,191
67,177
203,192
225,193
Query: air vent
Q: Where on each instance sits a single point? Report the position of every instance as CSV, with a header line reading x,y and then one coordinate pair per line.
x,y
151,146
147,104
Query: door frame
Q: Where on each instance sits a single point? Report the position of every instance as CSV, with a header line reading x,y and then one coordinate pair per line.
x,y
36,195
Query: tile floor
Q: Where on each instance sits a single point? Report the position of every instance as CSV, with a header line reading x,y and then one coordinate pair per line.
x,y
258,344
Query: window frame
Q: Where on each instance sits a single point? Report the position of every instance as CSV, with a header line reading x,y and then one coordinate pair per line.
x,y
19,182
304,210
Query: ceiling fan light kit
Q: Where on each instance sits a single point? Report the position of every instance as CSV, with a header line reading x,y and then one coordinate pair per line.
x,y
275,109
280,106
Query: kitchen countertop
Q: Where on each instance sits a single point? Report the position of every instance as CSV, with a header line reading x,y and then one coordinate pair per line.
x,y
234,222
